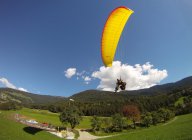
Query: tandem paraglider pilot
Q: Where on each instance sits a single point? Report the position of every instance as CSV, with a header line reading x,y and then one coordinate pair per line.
x,y
120,84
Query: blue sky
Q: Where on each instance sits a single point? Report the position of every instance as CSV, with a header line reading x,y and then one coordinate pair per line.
x,y
40,40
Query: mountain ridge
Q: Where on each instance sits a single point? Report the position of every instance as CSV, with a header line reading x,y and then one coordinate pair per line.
x,y
8,94
92,95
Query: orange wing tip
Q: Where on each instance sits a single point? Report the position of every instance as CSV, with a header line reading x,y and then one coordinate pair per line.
x,y
130,10
124,8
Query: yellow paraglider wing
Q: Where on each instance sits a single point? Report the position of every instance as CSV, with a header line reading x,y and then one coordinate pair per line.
x,y
112,32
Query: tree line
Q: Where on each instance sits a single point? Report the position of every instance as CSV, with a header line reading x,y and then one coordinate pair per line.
x,y
144,103
129,118
111,107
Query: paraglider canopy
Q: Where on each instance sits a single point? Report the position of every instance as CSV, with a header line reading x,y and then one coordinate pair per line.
x,y
112,33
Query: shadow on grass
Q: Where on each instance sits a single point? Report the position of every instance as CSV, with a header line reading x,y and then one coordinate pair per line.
x,y
31,130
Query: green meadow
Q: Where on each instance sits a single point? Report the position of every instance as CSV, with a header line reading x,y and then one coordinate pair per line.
x,y
180,128
11,130
49,117
180,101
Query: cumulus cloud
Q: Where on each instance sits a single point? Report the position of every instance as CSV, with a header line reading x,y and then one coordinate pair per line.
x,y
87,79
83,75
23,89
136,77
5,82
70,72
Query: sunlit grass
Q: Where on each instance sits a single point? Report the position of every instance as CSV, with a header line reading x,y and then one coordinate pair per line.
x,y
11,130
179,129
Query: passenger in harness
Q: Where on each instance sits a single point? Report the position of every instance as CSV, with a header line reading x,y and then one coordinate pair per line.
x,y
120,84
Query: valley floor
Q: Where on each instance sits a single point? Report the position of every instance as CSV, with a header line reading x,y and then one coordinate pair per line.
x,y
177,129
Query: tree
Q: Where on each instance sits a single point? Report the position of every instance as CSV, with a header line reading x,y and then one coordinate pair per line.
x,y
10,106
186,100
155,117
71,115
95,124
117,123
106,124
165,114
132,112
52,108
147,119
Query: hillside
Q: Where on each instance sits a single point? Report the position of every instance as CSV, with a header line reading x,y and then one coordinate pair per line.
x,y
7,95
177,129
96,95
148,99
13,130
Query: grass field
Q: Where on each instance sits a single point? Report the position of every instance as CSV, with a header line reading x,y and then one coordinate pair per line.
x,y
181,101
11,130
49,117
178,129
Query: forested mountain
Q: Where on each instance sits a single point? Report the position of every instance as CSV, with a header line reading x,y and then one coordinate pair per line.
x,y
21,97
96,95
105,103
7,94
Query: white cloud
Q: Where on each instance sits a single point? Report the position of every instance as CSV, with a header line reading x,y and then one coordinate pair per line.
x,y
136,77
87,79
87,83
70,72
79,75
22,89
5,82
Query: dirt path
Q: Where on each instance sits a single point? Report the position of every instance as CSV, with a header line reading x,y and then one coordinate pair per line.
x,y
84,135
170,121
